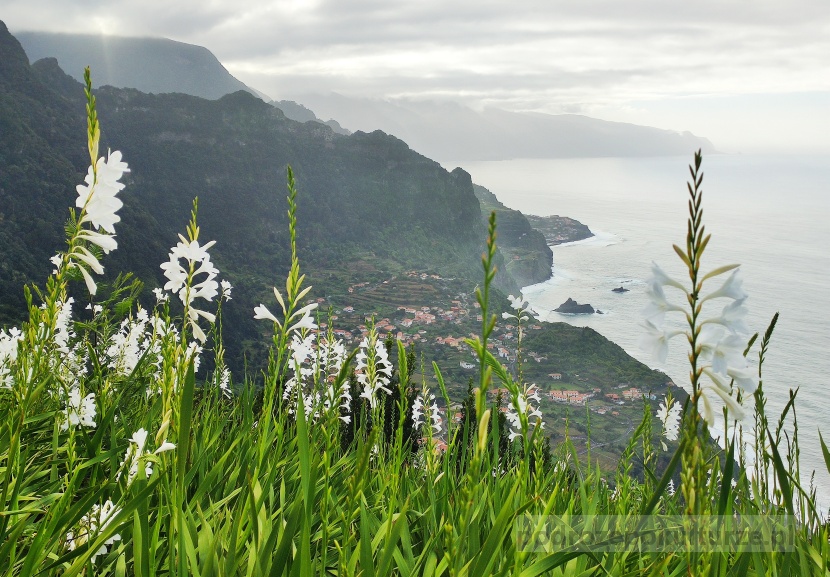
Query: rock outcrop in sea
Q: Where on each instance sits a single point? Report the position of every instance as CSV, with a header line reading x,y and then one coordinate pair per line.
x,y
571,307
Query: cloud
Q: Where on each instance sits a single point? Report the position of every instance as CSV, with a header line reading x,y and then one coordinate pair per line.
x,y
527,54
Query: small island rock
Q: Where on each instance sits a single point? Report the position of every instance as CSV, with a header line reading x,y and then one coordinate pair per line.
x,y
571,307
620,289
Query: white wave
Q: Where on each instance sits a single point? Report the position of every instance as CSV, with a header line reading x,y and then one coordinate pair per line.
x,y
600,238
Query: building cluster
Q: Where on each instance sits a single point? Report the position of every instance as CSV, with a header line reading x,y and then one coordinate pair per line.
x,y
571,397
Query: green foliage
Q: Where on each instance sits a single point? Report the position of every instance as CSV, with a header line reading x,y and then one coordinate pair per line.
x,y
584,351
364,193
110,467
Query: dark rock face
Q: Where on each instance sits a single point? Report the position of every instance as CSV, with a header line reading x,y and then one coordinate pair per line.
x,y
527,258
571,307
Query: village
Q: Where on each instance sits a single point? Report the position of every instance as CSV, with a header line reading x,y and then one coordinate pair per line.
x,y
397,307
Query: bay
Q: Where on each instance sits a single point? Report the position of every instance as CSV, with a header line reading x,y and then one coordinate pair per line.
x,y
770,214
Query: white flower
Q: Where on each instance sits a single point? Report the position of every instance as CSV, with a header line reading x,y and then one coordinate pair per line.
x,y
722,390
224,381
105,241
193,315
129,344
425,400
722,351
79,411
373,368
191,251
732,317
182,281
417,413
302,349
658,305
192,354
132,460
8,355
262,312
81,258
669,415
175,272
98,196
523,311
57,261
521,407
436,419
178,275
136,453
659,277
330,358
670,487
226,289
91,525
98,203
656,341
306,322
731,288
161,296
744,378
63,325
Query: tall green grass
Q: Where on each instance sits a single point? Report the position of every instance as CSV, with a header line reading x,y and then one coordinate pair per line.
x,y
259,476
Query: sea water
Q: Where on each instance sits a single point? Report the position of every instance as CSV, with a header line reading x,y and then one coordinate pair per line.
x,y
770,214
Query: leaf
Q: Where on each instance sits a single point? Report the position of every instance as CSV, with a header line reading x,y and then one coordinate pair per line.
x,y
185,417
783,476
726,481
366,561
682,255
825,452
719,271
549,562
664,480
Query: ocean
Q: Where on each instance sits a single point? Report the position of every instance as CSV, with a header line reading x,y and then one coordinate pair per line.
x,y
770,214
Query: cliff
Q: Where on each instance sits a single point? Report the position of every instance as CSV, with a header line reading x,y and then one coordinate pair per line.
x,y
527,256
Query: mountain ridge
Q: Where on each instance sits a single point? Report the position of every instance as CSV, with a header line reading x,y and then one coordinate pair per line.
x,y
367,201
153,65
454,132
448,131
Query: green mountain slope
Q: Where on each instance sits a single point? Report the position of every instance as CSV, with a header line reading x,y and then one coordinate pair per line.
x,y
363,197
383,231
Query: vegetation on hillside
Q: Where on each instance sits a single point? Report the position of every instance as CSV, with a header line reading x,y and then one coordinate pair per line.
x,y
369,198
119,456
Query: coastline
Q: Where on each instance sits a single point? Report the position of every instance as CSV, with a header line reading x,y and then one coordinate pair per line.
x,y
572,281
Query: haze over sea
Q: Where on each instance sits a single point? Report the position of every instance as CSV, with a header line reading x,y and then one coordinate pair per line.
x,y
770,214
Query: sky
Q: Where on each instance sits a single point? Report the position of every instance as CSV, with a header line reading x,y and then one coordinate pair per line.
x,y
751,75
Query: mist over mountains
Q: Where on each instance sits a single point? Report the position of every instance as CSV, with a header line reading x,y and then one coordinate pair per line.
x,y
452,131
446,131
153,65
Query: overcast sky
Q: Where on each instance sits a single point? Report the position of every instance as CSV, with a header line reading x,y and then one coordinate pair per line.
x,y
753,76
